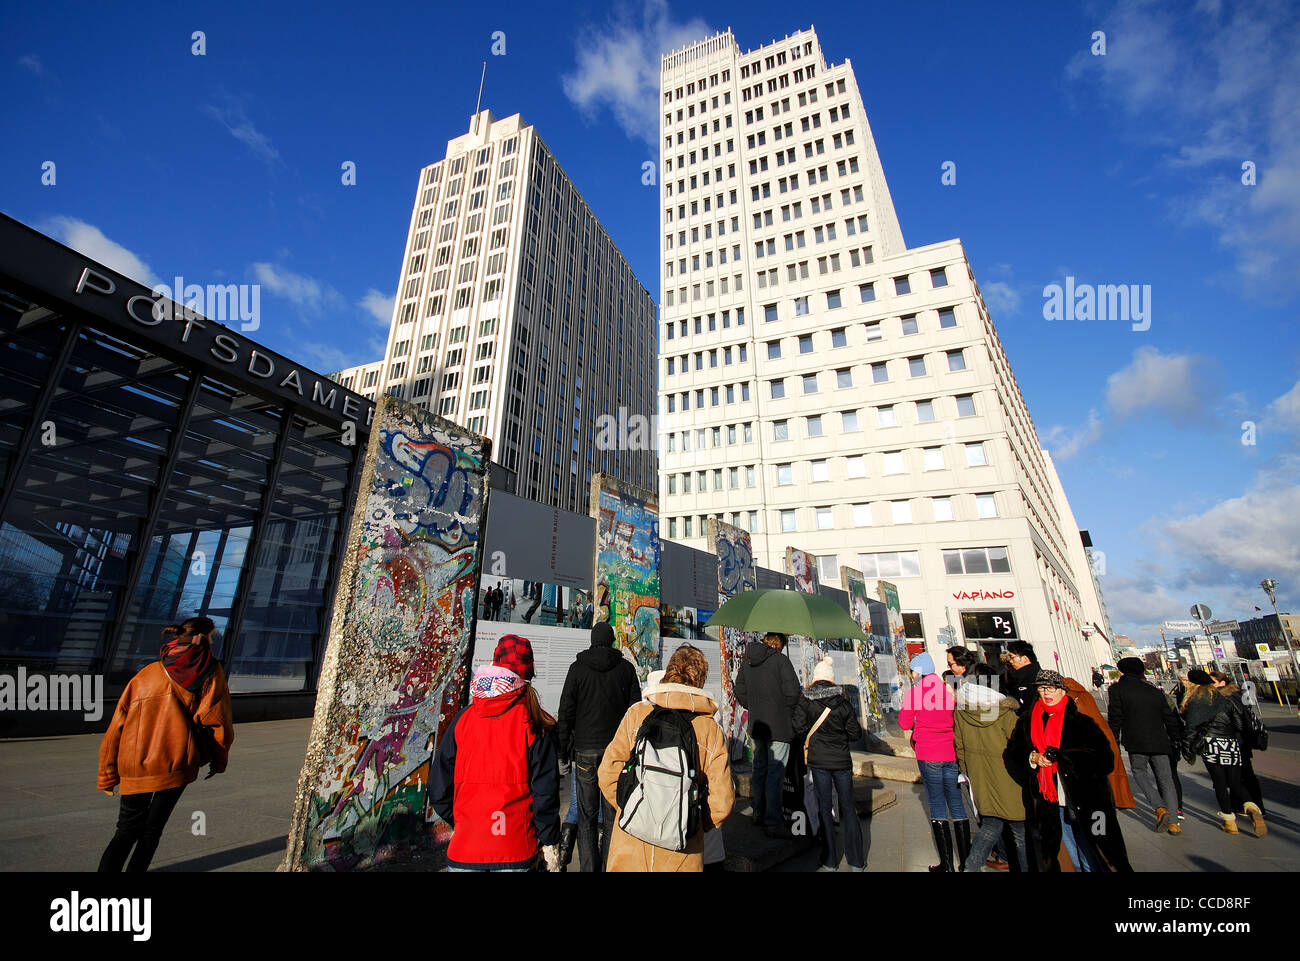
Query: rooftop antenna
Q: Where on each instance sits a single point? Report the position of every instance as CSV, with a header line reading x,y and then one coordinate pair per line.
x,y
479,103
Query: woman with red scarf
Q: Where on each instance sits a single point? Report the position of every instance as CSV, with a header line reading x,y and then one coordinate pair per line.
x,y
1061,759
173,717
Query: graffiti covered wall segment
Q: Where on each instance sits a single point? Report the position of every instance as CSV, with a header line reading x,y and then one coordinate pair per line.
x,y
398,651
626,572
872,714
736,573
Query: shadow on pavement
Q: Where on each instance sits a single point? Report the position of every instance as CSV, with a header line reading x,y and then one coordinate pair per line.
x,y
221,859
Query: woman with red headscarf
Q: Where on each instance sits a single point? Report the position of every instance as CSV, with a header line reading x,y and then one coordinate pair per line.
x,y
173,717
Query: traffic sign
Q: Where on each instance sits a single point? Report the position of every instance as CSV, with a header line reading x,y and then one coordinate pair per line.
x,y
1181,628
1271,674
1223,627
1262,649
1200,612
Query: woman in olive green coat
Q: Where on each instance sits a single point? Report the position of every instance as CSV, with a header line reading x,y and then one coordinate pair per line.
x,y
982,725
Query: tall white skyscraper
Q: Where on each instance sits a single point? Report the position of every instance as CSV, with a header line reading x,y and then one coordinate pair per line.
x,y
517,316
826,387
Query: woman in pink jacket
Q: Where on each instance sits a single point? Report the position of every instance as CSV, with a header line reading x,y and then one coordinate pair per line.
x,y
927,713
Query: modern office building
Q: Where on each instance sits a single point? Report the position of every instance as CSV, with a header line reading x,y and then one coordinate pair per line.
x,y
828,388
518,317
156,467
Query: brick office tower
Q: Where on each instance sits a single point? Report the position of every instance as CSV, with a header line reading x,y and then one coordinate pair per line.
x,y
826,387
518,317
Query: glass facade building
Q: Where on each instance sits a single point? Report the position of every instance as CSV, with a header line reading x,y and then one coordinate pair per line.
x,y
157,465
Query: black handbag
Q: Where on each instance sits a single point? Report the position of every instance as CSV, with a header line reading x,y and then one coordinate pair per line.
x,y
1194,742
1257,735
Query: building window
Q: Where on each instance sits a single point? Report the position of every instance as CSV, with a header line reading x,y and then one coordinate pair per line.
x,y
773,350
902,286
924,411
986,505
866,292
815,425
938,277
965,405
873,332
784,475
805,344
844,378
839,338
787,520
780,430
820,471
942,508
672,527
885,417
848,421
769,312
800,303
934,458
916,366
832,299
977,560
828,568
880,373
975,455
909,326
825,519
956,360
861,515
855,466
947,318
894,462
902,511
890,564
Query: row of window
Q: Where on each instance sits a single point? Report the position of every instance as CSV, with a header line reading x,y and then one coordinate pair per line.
x,y
916,368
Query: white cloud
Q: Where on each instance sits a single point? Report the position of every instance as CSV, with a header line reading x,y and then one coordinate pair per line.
x,y
1171,383
90,240
1215,88
32,63
618,66
233,118
1284,412
379,306
299,289
1065,443
1001,298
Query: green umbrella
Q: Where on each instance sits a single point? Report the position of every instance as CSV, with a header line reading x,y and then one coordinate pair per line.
x,y
786,612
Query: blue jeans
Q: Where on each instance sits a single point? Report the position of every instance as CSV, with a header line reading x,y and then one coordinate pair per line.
x,y
765,781
572,817
942,790
989,834
842,782
1079,849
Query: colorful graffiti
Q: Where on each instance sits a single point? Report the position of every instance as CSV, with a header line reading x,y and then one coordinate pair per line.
x,y
871,712
802,566
888,595
394,670
736,573
627,567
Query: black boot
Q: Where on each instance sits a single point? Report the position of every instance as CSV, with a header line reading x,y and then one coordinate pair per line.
x,y
943,844
568,835
961,831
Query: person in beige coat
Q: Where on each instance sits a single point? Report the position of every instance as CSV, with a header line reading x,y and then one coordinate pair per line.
x,y
680,689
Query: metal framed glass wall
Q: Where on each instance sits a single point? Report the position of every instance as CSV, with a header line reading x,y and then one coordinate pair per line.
x,y
141,488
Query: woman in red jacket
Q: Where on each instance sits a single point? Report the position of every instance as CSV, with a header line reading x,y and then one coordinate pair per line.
x,y
173,717
496,778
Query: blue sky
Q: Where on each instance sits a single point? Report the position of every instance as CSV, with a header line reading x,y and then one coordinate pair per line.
x,y
1122,168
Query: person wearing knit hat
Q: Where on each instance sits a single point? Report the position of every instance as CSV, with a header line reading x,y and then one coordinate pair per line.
x,y
1197,676
927,711
495,778
1061,759
600,686
826,722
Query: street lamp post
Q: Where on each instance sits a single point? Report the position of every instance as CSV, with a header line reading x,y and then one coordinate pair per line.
x,y
1270,588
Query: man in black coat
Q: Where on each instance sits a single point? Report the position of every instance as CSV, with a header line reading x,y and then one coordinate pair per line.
x,y
1022,669
768,688
599,688
1142,720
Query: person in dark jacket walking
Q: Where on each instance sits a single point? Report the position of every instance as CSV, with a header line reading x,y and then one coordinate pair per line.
x,y
495,778
599,688
1022,670
1214,729
768,688
827,724
1061,758
1145,724
1226,685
